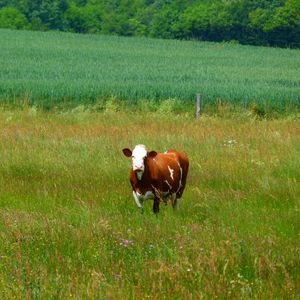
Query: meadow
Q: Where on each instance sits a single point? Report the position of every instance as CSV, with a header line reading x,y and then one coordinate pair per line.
x,y
49,69
70,228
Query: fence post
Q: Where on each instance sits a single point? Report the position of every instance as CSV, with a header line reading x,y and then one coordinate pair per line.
x,y
198,105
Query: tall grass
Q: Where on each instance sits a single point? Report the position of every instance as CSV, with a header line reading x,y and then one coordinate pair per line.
x,y
70,228
53,68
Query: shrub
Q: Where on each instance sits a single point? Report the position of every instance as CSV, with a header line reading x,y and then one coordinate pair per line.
x,y
12,18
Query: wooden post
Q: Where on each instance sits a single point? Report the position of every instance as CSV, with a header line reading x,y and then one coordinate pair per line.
x,y
198,105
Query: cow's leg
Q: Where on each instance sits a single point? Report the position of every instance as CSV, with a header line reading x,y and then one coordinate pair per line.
x,y
156,205
176,205
137,201
175,201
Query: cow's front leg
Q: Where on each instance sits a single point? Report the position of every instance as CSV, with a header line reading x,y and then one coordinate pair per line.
x,y
137,201
156,205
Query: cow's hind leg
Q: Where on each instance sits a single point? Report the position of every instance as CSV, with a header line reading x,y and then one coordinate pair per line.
x,y
175,201
156,205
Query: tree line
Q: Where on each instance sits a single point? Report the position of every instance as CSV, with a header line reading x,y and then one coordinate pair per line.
x,y
255,22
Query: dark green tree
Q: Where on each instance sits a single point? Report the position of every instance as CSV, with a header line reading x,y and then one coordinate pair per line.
x,y
84,19
258,22
283,27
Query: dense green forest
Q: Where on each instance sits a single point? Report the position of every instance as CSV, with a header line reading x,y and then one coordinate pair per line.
x,y
256,22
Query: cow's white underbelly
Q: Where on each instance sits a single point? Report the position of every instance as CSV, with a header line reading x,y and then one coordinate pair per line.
x,y
146,196
140,198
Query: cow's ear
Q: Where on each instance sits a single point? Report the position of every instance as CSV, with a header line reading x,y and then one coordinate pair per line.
x,y
127,152
152,154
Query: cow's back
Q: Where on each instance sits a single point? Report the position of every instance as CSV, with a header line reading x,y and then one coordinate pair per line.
x,y
180,157
172,166
183,161
163,164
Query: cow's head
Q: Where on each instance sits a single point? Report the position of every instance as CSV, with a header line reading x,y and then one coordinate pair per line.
x,y
138,155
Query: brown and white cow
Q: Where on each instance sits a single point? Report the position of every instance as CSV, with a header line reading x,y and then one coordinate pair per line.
x,y
157,176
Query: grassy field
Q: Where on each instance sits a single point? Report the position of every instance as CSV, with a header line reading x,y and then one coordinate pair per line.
x,y
53,68
70,228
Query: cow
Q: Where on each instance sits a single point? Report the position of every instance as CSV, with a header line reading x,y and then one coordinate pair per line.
x,y
157,176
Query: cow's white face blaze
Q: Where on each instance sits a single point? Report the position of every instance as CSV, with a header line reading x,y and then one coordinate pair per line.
x,y
139,154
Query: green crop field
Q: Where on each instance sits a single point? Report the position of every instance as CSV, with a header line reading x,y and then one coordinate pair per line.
x,y
69,228
51,68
